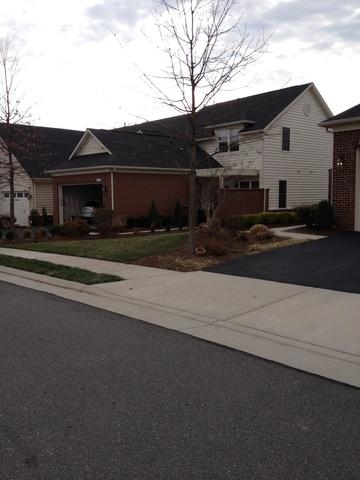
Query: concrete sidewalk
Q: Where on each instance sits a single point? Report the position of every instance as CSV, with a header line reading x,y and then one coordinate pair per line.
x,y
311,329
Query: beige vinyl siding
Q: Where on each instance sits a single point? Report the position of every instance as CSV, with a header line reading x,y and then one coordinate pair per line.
x,y
305,167
90,146
249,156
42,196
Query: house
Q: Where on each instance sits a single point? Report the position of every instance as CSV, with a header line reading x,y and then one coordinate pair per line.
x,y
125,171
345,178
267,152
272,151
35,150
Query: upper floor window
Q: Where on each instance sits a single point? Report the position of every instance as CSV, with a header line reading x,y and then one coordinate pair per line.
x,y
286,139
228,140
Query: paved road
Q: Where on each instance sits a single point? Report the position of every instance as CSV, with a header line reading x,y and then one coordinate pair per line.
x,y
86,394
332,263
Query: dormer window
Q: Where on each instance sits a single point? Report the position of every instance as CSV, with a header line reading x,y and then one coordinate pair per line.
x,y
228,140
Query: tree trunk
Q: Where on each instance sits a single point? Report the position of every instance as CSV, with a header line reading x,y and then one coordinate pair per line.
x,y
192,199
12,192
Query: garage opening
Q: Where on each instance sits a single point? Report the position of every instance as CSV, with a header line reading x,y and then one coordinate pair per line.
x,y
76,197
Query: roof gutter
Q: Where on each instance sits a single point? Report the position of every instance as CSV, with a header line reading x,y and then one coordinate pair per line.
x,y
111,168
341,121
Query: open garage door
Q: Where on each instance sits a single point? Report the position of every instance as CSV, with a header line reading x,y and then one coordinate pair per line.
x,y
75,197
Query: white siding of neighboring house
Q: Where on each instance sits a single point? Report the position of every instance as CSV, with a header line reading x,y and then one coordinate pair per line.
x,y
89,146
249,156
306,165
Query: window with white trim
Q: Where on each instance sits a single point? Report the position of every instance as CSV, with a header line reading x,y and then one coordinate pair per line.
x,y
228,140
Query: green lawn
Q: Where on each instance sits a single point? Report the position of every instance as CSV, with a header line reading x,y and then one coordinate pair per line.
x,y
114,249
58,271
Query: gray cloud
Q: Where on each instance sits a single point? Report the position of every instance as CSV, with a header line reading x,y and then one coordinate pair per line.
x,y
320,23
114,15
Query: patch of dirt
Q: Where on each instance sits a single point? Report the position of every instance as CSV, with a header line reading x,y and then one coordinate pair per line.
x,y
231,247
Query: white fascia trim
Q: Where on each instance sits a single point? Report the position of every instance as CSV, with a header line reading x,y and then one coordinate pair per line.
x,y
110,168
331,123
86,133
228,124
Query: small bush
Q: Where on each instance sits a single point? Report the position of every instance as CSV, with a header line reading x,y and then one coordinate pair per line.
x,y
103,219
261,232
119,224
74,228
9,235
130,222
243,236
153,216
215,247
42,233
35,218
54,230
27,234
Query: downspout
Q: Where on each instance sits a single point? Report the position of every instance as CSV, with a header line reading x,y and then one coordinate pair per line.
x,y
262,175
112,190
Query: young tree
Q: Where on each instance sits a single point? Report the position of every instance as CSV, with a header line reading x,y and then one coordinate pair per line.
x,y
10,114
206,48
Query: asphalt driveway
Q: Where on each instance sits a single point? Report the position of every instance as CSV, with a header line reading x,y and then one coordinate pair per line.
x,y
332,263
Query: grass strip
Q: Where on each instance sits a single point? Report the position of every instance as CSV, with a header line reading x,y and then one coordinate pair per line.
x,y
124,250
73,274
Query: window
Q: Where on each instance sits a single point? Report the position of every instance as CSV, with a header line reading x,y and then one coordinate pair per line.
x,y
286,139
234,140
255,185
223,140
7,195
228,140
20,195
282,193
26,195
244,185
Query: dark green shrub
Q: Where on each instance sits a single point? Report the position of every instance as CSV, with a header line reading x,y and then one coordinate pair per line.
x,y
27,234
238,222
319,215
324,215
54,230
142,222
103,219
74,228
130,222
45,217
153,216
178,218
9,235
35,218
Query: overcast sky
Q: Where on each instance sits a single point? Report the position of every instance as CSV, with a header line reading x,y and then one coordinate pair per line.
x,y
76,74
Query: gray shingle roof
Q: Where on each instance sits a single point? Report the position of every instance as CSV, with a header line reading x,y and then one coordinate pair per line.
x,y
130,149
353,112
39,149
260,109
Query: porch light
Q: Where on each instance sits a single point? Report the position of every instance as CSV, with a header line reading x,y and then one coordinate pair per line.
x,y
339,162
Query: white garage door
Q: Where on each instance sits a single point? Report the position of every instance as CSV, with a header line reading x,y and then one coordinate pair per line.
x,y
21,204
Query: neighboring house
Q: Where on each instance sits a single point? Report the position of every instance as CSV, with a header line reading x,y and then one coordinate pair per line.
x,y
345,190
270,145
35,150
124,171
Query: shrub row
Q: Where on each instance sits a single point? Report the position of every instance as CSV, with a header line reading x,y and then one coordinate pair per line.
x,y
236,222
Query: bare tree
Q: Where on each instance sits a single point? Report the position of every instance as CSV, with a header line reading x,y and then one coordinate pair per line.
x,y
206,48
10,114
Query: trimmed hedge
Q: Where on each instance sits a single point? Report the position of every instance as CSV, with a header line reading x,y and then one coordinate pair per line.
x,y
237,222
319,215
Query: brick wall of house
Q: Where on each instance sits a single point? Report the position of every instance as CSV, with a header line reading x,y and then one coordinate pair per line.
x,y
239,202
134,193
96,178
344,177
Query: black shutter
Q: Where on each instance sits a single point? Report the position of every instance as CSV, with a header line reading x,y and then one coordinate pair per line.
x,y
286,138
282,193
